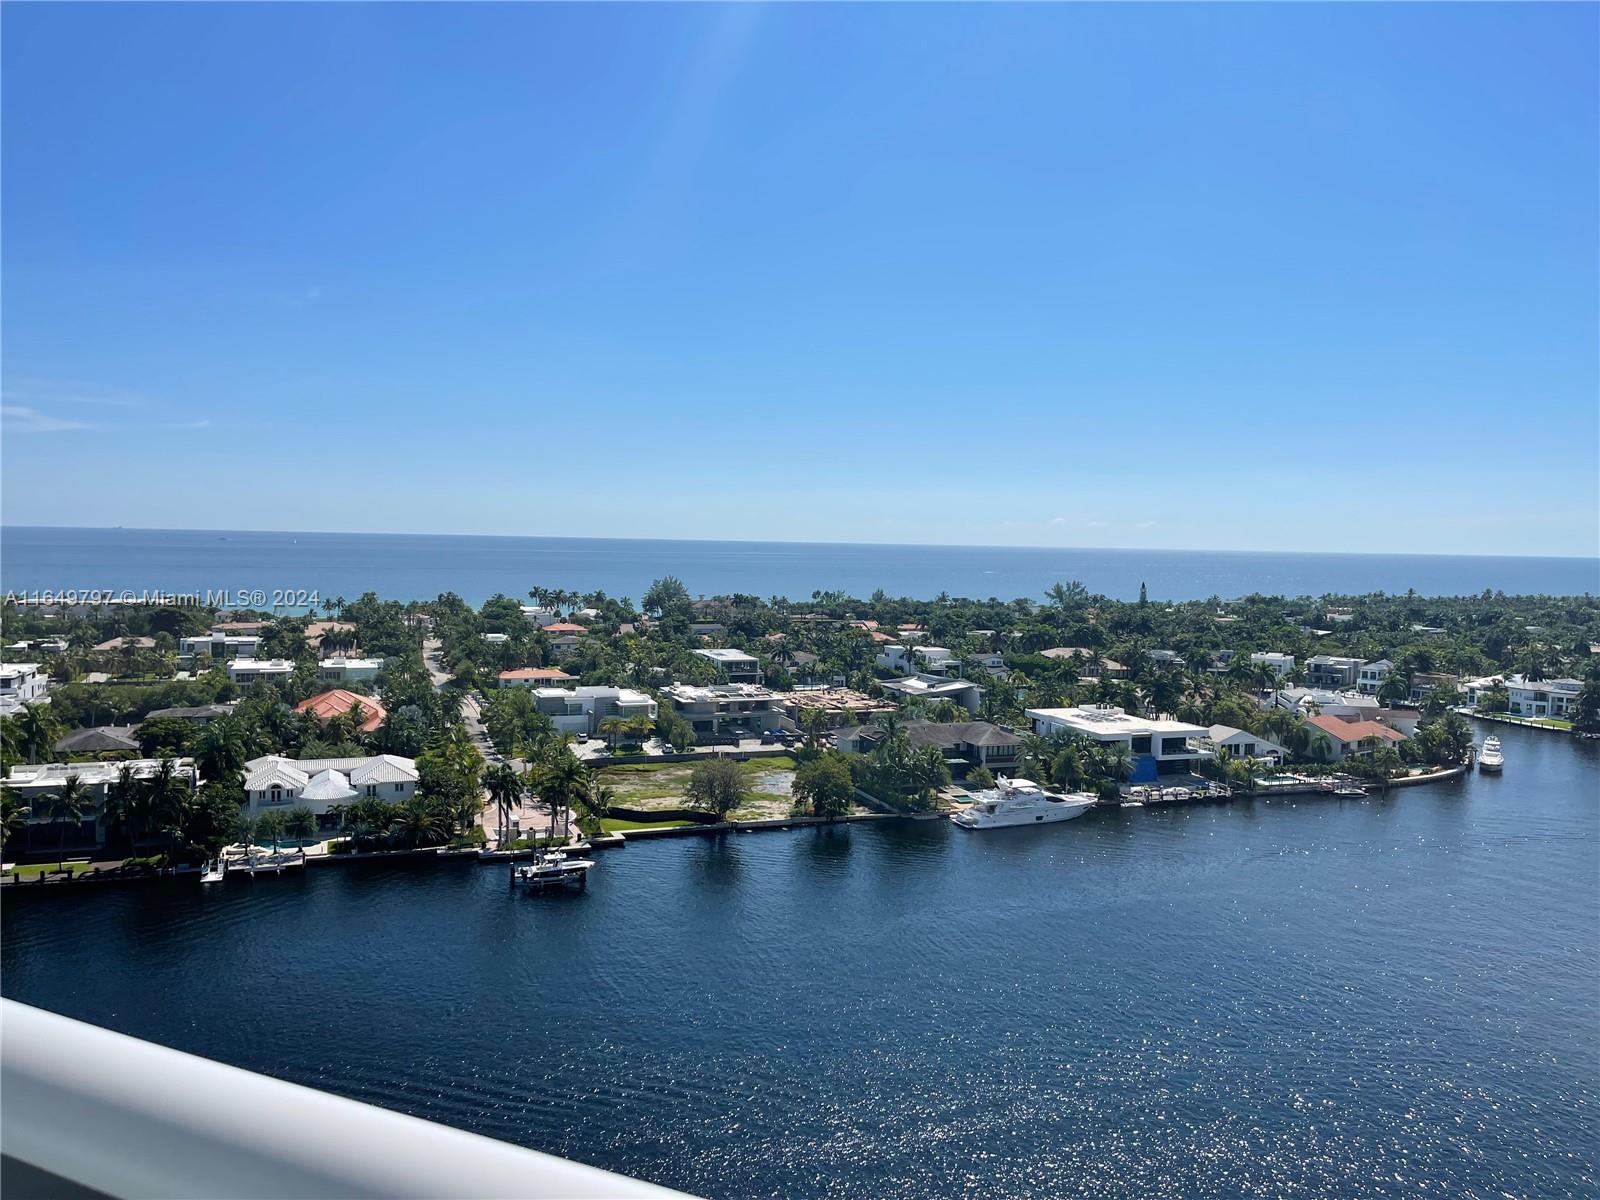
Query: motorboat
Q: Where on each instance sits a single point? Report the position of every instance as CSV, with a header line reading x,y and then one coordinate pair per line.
x,y
1490,757
1020,802
1350,791
213,871
552,869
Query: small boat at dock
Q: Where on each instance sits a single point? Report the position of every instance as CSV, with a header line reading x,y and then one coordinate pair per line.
x,y
1491,758
1020,802
213,871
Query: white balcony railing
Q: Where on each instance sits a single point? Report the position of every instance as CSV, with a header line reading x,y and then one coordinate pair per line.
x,y
84,1110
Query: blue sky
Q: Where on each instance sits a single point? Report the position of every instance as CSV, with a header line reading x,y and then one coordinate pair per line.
x,y
1243,277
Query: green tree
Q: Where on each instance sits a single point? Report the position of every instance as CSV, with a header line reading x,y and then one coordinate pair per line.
x,y
160,736
421,821
824,785
37,728
14,815
301,824
505,790
717,786
271,827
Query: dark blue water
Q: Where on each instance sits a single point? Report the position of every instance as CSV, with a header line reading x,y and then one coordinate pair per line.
x,y
420,567
1393,997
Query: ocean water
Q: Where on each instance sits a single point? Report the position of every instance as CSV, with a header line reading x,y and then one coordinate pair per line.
x,y
420,567
1314,998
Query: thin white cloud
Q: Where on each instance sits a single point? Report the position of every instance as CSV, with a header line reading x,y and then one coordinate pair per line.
x,y
54,392
202,423
19,418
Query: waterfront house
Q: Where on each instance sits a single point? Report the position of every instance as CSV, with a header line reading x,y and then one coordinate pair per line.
x,y
340,669
218,645
534,677
1159,746
33,784
325,706
1542,697
733,666
1165,659
1227,742
1334,739
581,709
933,687
726,709
1401,720
1425,682
245,671
22,683
1281,663
274,783
1332,671
1372,675
127,643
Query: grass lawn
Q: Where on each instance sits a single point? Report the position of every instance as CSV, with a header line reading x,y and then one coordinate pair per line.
x,y
1547,722
34,870
618,825
646,785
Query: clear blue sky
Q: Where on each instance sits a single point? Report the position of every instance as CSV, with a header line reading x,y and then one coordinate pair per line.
x,y
1246,277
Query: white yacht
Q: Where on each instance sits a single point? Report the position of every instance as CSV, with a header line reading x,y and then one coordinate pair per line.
x,y
1020,802
1490,758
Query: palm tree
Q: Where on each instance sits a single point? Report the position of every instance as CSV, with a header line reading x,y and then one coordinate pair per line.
x,y
562,781
272,826
14,816
419,822
612,728
301,824
67,807
37,727
504,786
166,796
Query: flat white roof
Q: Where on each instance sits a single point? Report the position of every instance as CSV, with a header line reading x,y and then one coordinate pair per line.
x,y
18,668
1109,724
718,691
261,664
358,663
726,656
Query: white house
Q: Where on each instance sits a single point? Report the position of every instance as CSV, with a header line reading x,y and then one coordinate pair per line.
x,y
1281,663
21,683
726,709
349,670
1372,675
534,677
277,784
538,614
1227,741
1158,746
497,639
933,687
219,645
1543,697
249,670
1332,671
909,660
734,666
580,710
1306,701
33,784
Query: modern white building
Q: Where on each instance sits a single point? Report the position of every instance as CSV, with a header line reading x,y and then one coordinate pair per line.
x,y
934,687
1543,697
538,614
1159,746
34,784
219,645
22,683
349,670
1281,663
1372,675
277,784
910,660
580,710
734,666
726,709
252,670
1332,671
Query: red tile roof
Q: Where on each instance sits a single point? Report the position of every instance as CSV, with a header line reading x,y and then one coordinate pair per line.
x,y
1354,731
327,705
536,673
565,627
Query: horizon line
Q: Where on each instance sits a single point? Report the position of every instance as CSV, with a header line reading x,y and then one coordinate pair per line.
x,y
805,542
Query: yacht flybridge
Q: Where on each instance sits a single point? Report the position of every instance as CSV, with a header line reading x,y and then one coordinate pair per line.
x,y
1021,802
1491,758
